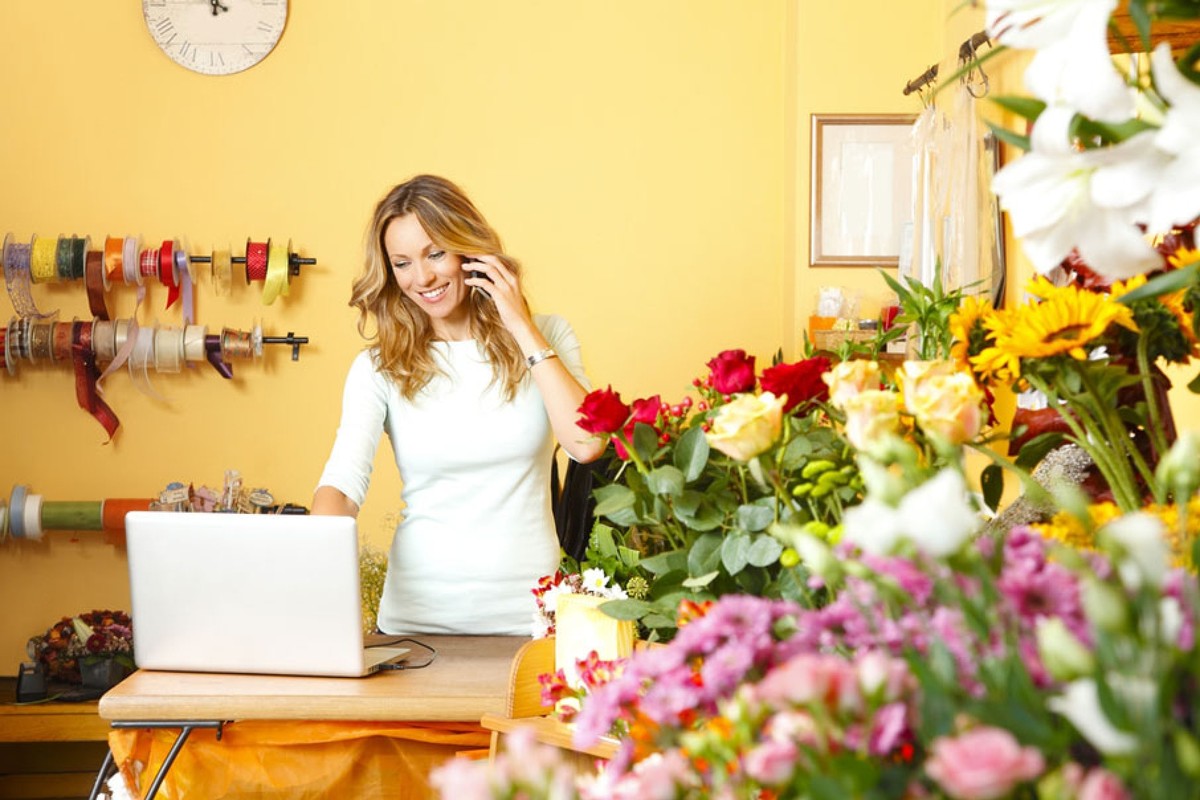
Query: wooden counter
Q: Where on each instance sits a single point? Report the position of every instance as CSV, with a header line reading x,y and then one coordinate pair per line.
x,y
467,679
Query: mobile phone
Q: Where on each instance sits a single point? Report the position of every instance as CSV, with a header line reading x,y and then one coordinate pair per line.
x,y
476,274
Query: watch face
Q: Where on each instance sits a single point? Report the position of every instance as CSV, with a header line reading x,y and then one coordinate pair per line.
x,y
215,37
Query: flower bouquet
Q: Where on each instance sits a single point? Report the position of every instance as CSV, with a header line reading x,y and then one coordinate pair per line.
x,y
947,664
592,582
702,480
74,644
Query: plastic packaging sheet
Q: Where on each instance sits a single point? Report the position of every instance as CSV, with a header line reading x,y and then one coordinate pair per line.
x,y
954,213
296,760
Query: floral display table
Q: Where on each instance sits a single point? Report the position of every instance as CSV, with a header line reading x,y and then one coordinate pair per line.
x,y
323,728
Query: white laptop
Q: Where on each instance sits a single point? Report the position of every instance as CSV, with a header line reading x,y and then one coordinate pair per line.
x,y
256,593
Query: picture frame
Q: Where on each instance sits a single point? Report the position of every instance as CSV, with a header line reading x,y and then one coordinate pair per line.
x,y
861,182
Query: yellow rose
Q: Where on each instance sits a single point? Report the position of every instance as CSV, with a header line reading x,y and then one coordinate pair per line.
x,y
871,415
848,378
747,426
946,402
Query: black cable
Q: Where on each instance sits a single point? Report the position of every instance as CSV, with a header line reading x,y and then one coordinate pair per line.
x,y
404,664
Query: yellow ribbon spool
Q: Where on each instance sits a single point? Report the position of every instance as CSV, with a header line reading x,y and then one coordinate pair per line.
x,y
43,259
222,272
276,283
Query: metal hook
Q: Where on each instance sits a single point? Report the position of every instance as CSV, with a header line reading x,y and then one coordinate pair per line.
x,y
967,54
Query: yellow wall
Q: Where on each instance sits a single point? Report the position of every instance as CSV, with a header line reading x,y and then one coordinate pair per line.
x,y
648,162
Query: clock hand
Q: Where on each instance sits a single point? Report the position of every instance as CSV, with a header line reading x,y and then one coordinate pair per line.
x,y
216,5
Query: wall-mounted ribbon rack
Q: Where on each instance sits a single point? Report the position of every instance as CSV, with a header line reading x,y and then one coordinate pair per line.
x,y
123,261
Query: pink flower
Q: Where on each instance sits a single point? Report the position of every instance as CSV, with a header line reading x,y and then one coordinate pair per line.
x,y
1100,784
982,764
771,762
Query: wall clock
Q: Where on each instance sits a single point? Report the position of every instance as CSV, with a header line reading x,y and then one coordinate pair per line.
x,y
215,37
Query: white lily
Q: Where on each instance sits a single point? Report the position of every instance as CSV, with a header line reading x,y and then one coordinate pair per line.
x,y
1060,199
1176,198
1141,538
872,525
877,527
1080,703
942,533
1072,65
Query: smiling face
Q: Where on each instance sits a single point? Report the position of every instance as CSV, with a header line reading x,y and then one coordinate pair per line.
x,y
429,276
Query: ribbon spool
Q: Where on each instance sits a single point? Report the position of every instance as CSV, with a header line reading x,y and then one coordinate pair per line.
x,y
222,272
95,281
17,276
256,260
168,350
148,264
41,341
72,516
276,281
43,259
193,342
130,266
104,340
18,342
16,511
113,260
113,511
33,518
62,341
10,358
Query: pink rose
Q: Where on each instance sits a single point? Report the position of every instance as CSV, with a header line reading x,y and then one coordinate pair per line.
x,y
771,762
732,371
982,764
1100,784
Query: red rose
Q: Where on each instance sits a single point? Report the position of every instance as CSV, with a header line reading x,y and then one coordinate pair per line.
x,y
732,371
645,411
602,412
801,382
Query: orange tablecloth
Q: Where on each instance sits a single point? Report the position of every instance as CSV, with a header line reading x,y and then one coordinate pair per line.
x,y
296,760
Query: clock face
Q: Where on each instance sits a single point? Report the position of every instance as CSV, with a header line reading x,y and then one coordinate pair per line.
x,y
215,37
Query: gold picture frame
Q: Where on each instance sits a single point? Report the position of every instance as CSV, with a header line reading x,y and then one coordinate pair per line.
x,y
861,180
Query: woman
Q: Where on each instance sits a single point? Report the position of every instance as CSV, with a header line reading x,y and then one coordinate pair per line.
x,y
472,390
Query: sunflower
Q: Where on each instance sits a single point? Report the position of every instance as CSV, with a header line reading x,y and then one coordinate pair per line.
x,y
1162,320
1063,323
1183,256
992,364
1065,527
967,328
1080,534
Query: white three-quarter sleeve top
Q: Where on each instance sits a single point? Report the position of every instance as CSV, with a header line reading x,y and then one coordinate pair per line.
x,y
477,529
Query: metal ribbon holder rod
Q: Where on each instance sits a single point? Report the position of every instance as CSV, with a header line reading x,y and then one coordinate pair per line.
x,y
123,260
87,344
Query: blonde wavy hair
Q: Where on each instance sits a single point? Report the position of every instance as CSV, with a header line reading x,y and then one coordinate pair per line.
x,y
403,333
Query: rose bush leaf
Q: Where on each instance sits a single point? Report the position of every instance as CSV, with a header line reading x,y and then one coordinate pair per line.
x,y
645,441
765,551
666,481
735,552
691,453
756,518
616,502
705,554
